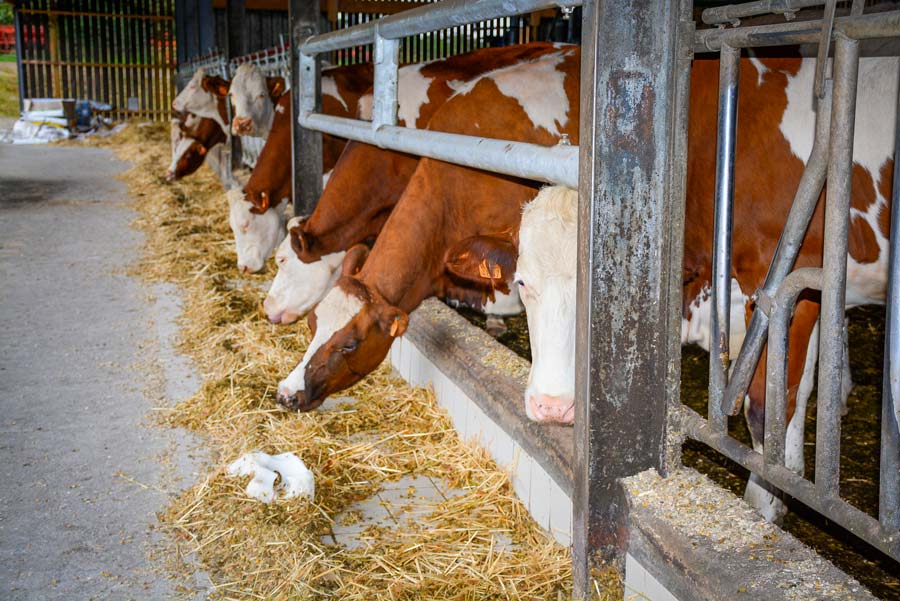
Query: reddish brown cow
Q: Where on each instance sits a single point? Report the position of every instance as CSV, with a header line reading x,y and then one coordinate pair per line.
x,y
367,182
442,215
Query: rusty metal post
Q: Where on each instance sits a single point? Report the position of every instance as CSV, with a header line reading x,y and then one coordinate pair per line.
x,y
630,203
306,144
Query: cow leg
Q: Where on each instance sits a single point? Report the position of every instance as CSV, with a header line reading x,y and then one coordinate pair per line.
x,y
847,379
802,357
495,326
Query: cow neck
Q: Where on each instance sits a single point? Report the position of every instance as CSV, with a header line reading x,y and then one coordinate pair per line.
x,y
407,258
365,186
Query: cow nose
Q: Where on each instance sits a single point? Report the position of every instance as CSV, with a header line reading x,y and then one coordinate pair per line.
x,y
552,409
291,401
244,269
274,318
242,125
170,175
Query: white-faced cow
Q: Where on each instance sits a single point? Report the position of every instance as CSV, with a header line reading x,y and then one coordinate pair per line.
x,y
437,228
253,96
367,182
776,119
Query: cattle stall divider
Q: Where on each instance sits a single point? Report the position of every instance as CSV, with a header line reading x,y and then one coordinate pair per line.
x,y
830,160
630,170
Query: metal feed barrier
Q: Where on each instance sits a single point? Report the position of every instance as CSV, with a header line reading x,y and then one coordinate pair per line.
x,y
831,159
630,171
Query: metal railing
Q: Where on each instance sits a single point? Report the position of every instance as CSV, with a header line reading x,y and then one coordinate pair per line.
x,y
558,164
831,160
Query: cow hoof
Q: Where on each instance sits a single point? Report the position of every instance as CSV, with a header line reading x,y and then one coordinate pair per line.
x,y
495,326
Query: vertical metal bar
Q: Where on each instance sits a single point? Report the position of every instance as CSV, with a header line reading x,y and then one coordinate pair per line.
x,y
777,359
720,314
387,58
801,212
624,308
834,262
236,15
20,55
889,489
676,210
306,145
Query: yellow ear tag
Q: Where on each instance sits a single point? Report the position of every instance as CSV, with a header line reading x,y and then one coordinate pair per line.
x,y
483,270
395,327
486,273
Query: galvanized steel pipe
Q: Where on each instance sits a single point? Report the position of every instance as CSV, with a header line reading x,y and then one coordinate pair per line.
x,y
552,164
720,317
834,264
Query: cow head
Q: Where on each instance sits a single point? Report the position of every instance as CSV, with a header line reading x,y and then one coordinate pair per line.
x,y
255,235
187,156
253,96
201,96
354,327
545,278
298,285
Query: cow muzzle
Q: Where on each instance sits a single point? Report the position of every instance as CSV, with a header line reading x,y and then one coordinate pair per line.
x,y
552,409
298,401
242,126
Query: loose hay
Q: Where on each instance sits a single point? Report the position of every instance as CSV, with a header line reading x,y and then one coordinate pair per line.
x,y
253,550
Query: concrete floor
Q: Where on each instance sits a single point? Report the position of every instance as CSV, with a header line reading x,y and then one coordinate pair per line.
x,y
86,352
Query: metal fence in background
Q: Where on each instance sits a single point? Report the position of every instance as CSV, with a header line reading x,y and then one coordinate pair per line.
x,y
117,53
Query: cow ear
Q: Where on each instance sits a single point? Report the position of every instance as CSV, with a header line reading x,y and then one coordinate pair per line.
x,y
295,222
216,85
484,260
301,241
393,321
260,201
276,87
354,259
312,322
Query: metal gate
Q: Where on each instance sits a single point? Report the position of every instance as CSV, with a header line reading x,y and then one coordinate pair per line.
x,y
630,171
116,53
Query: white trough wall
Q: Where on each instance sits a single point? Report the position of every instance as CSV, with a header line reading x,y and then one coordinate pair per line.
x,y
550,506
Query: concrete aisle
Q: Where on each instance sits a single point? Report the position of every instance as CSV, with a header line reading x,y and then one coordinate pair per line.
x,y
86,352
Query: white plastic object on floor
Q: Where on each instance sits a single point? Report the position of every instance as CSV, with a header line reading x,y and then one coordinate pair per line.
x,y
296,479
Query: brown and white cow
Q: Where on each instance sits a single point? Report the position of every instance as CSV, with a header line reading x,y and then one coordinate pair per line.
x,y
367,182
256,213
776,124
253,98
204,96
437,227
196,140
199,130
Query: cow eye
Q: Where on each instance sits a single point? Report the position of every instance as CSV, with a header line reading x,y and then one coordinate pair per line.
x,y
281,259
520,283
349,346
